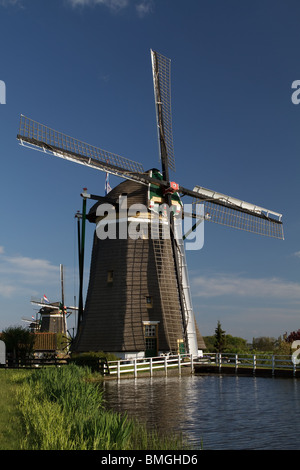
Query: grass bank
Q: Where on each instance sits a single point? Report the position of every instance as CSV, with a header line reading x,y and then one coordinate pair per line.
x,y
62,409
10,415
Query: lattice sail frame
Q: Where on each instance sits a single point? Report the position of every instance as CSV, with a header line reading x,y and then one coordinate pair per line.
x,y
162,83
219,208
232,212
34,134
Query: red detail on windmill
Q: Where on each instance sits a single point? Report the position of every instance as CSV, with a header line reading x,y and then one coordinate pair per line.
x,y
172,188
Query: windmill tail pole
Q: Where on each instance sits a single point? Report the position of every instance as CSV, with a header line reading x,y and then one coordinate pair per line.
x,y
61,268
81,259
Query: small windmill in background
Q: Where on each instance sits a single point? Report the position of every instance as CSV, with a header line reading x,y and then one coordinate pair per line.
x,y
51,316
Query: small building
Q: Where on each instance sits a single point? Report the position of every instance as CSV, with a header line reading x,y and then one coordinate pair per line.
x,y
45,343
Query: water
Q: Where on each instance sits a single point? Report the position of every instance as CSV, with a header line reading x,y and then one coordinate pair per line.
x,y
215,411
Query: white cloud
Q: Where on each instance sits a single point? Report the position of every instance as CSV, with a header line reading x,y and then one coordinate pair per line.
x,y
142,7
21,275
112,4
7,3
23,278
7,290
238,286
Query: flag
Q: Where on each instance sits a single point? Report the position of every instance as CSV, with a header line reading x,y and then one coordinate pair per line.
x,y
45,299
107,185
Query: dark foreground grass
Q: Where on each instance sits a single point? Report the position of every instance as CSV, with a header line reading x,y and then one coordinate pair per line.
x,y
62,409
10,415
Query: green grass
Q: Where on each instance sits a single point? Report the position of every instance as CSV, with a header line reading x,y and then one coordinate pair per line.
x,y
10,415
62,409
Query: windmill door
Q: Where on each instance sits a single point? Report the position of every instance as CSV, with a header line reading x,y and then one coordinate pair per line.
x,y
151,343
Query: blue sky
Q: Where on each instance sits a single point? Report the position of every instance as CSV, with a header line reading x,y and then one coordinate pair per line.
x,y
83,67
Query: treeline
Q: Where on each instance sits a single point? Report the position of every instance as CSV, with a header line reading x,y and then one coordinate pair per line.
x,y
226,343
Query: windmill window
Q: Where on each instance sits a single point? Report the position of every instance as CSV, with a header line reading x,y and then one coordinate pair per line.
x,y
149,301
110,276
150,331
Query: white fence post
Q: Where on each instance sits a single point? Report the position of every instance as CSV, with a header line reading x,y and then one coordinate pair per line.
x,y
254,363
179,364
150,364
294,367
2,353
134,367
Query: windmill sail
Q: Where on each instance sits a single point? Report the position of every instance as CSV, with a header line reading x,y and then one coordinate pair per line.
x,y
219,208
161,69
238,214
38,136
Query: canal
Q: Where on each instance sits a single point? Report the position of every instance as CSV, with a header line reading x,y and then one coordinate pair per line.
x,y
215,412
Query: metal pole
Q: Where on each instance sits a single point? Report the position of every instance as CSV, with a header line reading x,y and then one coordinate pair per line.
x,y
61,268
63,297
81,261
78,216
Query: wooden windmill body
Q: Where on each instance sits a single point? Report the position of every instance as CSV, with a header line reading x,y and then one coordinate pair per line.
x,y
132,306
138,301
53,319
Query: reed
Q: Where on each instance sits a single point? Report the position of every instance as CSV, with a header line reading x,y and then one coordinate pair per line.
x,y
63,410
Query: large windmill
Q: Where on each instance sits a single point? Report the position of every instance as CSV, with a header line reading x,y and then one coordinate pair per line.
x,y
138,301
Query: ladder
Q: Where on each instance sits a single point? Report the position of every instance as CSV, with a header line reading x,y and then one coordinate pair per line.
x,y
191,333
166,275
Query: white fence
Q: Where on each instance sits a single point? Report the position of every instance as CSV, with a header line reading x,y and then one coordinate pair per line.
x,y
253,361
151,365
218,361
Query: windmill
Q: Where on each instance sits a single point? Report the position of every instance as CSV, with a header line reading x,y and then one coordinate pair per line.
x,y
138,300
52,315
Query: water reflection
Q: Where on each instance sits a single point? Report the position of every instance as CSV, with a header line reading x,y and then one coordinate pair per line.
x,y
220,411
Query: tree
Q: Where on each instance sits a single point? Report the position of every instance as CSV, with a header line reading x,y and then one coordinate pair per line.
x,y
293,336
220,338
235,344
264,343
19,341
